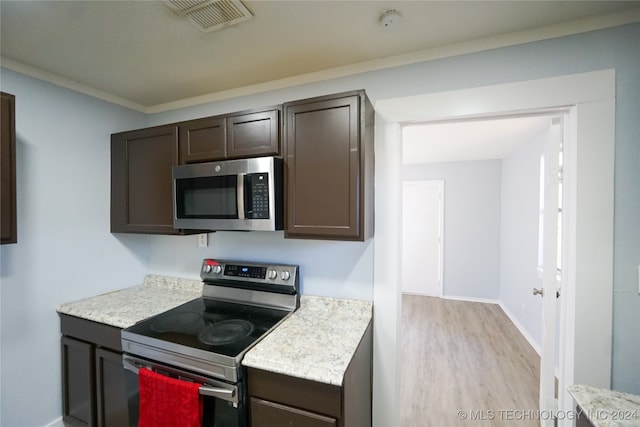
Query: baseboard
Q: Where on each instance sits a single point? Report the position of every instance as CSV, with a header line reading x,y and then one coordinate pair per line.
x,y
471,299
56,423
521,328
418,294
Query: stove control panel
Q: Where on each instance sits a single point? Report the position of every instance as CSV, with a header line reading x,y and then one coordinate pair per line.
x,y
268,277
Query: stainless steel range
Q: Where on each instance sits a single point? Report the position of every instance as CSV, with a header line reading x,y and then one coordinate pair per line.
x,y
204,340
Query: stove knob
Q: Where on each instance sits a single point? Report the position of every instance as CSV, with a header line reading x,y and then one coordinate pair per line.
x,y
207,269
217,269
285,275
272,274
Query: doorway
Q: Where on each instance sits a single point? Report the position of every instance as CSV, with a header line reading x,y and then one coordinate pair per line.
x,y
590,97
492,168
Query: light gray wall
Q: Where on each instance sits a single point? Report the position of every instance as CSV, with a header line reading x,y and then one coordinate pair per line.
x,y
327,268
58,119
471,224
519,235
64,251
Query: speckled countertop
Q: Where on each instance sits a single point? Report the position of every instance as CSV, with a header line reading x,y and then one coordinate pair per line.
x,y
316,342
126,307
607,408
323,355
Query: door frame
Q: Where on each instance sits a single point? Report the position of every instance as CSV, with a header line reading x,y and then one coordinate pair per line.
x,y
586,332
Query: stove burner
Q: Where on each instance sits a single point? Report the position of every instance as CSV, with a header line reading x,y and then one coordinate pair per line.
x,y
226,332
176,322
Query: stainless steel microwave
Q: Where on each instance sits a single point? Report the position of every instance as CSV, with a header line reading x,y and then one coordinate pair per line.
x,y
243,195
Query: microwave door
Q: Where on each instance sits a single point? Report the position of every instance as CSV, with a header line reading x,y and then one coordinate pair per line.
x,y
208,202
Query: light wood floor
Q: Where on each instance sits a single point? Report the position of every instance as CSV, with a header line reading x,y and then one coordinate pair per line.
x,y
464,356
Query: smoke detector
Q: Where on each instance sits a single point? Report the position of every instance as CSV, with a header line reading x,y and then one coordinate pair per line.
x,y
211,15
390,19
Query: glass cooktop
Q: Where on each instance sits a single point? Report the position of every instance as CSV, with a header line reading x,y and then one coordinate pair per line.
x,y
217,326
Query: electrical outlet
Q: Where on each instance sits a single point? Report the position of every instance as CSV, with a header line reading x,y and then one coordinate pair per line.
x,y
203,240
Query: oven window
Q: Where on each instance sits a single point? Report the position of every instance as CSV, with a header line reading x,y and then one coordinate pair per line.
x,y
207,197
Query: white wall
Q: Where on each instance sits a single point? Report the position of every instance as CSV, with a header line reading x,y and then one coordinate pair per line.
x,y
519,237
64,250
471,225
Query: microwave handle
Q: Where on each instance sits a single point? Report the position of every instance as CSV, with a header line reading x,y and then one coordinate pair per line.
x,y
240,195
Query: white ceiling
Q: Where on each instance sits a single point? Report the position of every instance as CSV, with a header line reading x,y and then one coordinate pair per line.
x,y
486,139
143,55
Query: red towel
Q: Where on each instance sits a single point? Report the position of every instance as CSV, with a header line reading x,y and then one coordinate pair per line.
x,y
168,402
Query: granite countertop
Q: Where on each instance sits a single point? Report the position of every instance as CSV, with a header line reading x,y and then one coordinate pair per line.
x,y
607,408
129,306
316,342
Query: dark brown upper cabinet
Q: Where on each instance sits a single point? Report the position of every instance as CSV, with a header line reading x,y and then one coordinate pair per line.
x,y
8,219
251,133
142,161
203,140
141,180
328,143
254,134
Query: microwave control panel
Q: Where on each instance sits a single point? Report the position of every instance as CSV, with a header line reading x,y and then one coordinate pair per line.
x,y
257,207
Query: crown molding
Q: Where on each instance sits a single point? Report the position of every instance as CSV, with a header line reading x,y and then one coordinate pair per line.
x,y
487,43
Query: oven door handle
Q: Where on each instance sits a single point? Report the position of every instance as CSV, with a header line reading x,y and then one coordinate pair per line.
x,y
205,390
221,393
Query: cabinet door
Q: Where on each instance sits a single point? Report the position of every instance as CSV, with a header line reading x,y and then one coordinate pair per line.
x,y
78,382
322,140
203,140
141,181
111,395
254,134
268,414
8,220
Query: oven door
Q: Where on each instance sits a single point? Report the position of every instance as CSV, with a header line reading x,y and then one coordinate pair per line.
x,y
223,403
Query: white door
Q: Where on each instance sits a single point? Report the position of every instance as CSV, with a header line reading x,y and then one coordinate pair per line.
x,y
422,209
551,276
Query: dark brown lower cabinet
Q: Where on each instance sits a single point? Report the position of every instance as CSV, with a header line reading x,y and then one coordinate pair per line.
x,y
266,414
282,400
111,389
77,382
94,392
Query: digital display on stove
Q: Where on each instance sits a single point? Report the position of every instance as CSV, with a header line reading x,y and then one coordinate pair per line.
x,y
245,271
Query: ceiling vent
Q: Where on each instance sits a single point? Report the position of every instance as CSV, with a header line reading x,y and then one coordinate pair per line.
x,y
211,15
